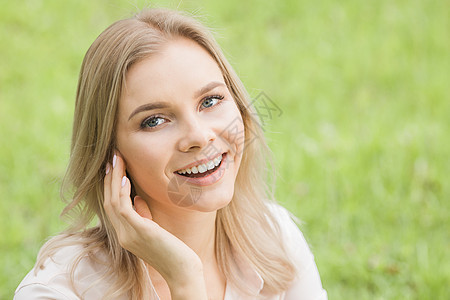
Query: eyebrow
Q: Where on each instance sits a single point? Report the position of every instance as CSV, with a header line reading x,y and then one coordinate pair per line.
x,y
159,105
148,106
208,87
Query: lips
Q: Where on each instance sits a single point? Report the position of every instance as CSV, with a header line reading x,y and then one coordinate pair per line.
x,y
201,167
201,170
208,177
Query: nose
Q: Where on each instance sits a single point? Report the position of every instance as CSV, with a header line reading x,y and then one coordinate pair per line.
x,y
195,136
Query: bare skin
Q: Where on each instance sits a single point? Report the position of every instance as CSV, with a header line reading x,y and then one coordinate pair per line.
x,y
177,263
176,242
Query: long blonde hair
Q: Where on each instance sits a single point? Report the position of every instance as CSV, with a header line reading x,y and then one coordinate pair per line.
x,y
246,226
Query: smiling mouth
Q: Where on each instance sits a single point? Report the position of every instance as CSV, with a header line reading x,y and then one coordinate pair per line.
x,y
203,170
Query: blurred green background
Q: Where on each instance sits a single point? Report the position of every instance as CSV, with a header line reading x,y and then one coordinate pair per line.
x,y
362,146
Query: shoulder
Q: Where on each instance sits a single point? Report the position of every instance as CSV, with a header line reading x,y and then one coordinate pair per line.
x,y
292,237
55,279
307,283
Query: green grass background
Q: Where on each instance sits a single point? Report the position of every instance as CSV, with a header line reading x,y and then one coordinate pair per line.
x,y
362,146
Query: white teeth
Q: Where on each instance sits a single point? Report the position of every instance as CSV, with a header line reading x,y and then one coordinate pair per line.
x,y
203,167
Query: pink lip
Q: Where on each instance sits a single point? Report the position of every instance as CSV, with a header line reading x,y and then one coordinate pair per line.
x,y
210,179
199,162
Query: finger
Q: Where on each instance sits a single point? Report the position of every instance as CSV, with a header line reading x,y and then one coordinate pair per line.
x,y
121,189
107,193
142,208
121,215
130,219
110,210
112,188
107,184
124,195
116,180
124,186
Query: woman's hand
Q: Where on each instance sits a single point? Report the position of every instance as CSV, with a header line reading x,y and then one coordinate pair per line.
x,y
138,233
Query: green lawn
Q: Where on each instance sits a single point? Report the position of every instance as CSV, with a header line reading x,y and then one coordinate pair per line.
x,y
362,146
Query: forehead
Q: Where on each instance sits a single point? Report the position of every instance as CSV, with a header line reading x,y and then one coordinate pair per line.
x,y
178,69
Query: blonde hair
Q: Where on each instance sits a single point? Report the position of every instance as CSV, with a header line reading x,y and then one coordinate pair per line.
x,y
246,226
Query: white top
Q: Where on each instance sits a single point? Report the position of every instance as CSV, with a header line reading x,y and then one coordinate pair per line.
x,y
53,282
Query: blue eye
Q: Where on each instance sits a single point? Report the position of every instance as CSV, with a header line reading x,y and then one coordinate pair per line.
x,y
211,101
152,122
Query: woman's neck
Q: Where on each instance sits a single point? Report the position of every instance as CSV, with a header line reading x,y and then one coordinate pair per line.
x,y
196,229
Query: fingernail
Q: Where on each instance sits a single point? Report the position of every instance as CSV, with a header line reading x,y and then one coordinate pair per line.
x,y
124,180
114,160
108,168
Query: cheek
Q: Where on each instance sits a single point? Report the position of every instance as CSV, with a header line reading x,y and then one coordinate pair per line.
x,y
145,161
232,130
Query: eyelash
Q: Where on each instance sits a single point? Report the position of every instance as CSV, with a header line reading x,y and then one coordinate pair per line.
x,y
218,97
146,120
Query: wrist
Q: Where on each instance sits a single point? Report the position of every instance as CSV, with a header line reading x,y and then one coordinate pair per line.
x,y
195,290
185,273
186,281
189,284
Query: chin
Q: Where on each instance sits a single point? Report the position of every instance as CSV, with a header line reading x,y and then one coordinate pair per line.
x,y
204,199
210,206
201,198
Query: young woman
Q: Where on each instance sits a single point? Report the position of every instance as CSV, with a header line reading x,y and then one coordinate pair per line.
x,y
167,155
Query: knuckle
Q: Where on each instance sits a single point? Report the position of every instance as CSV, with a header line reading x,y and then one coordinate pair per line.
x,y
123,193
114,203
123,212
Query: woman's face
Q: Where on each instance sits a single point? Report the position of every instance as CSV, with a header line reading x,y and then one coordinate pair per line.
x,y
179,130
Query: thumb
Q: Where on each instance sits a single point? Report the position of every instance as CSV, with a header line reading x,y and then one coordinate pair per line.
x,y
142,208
